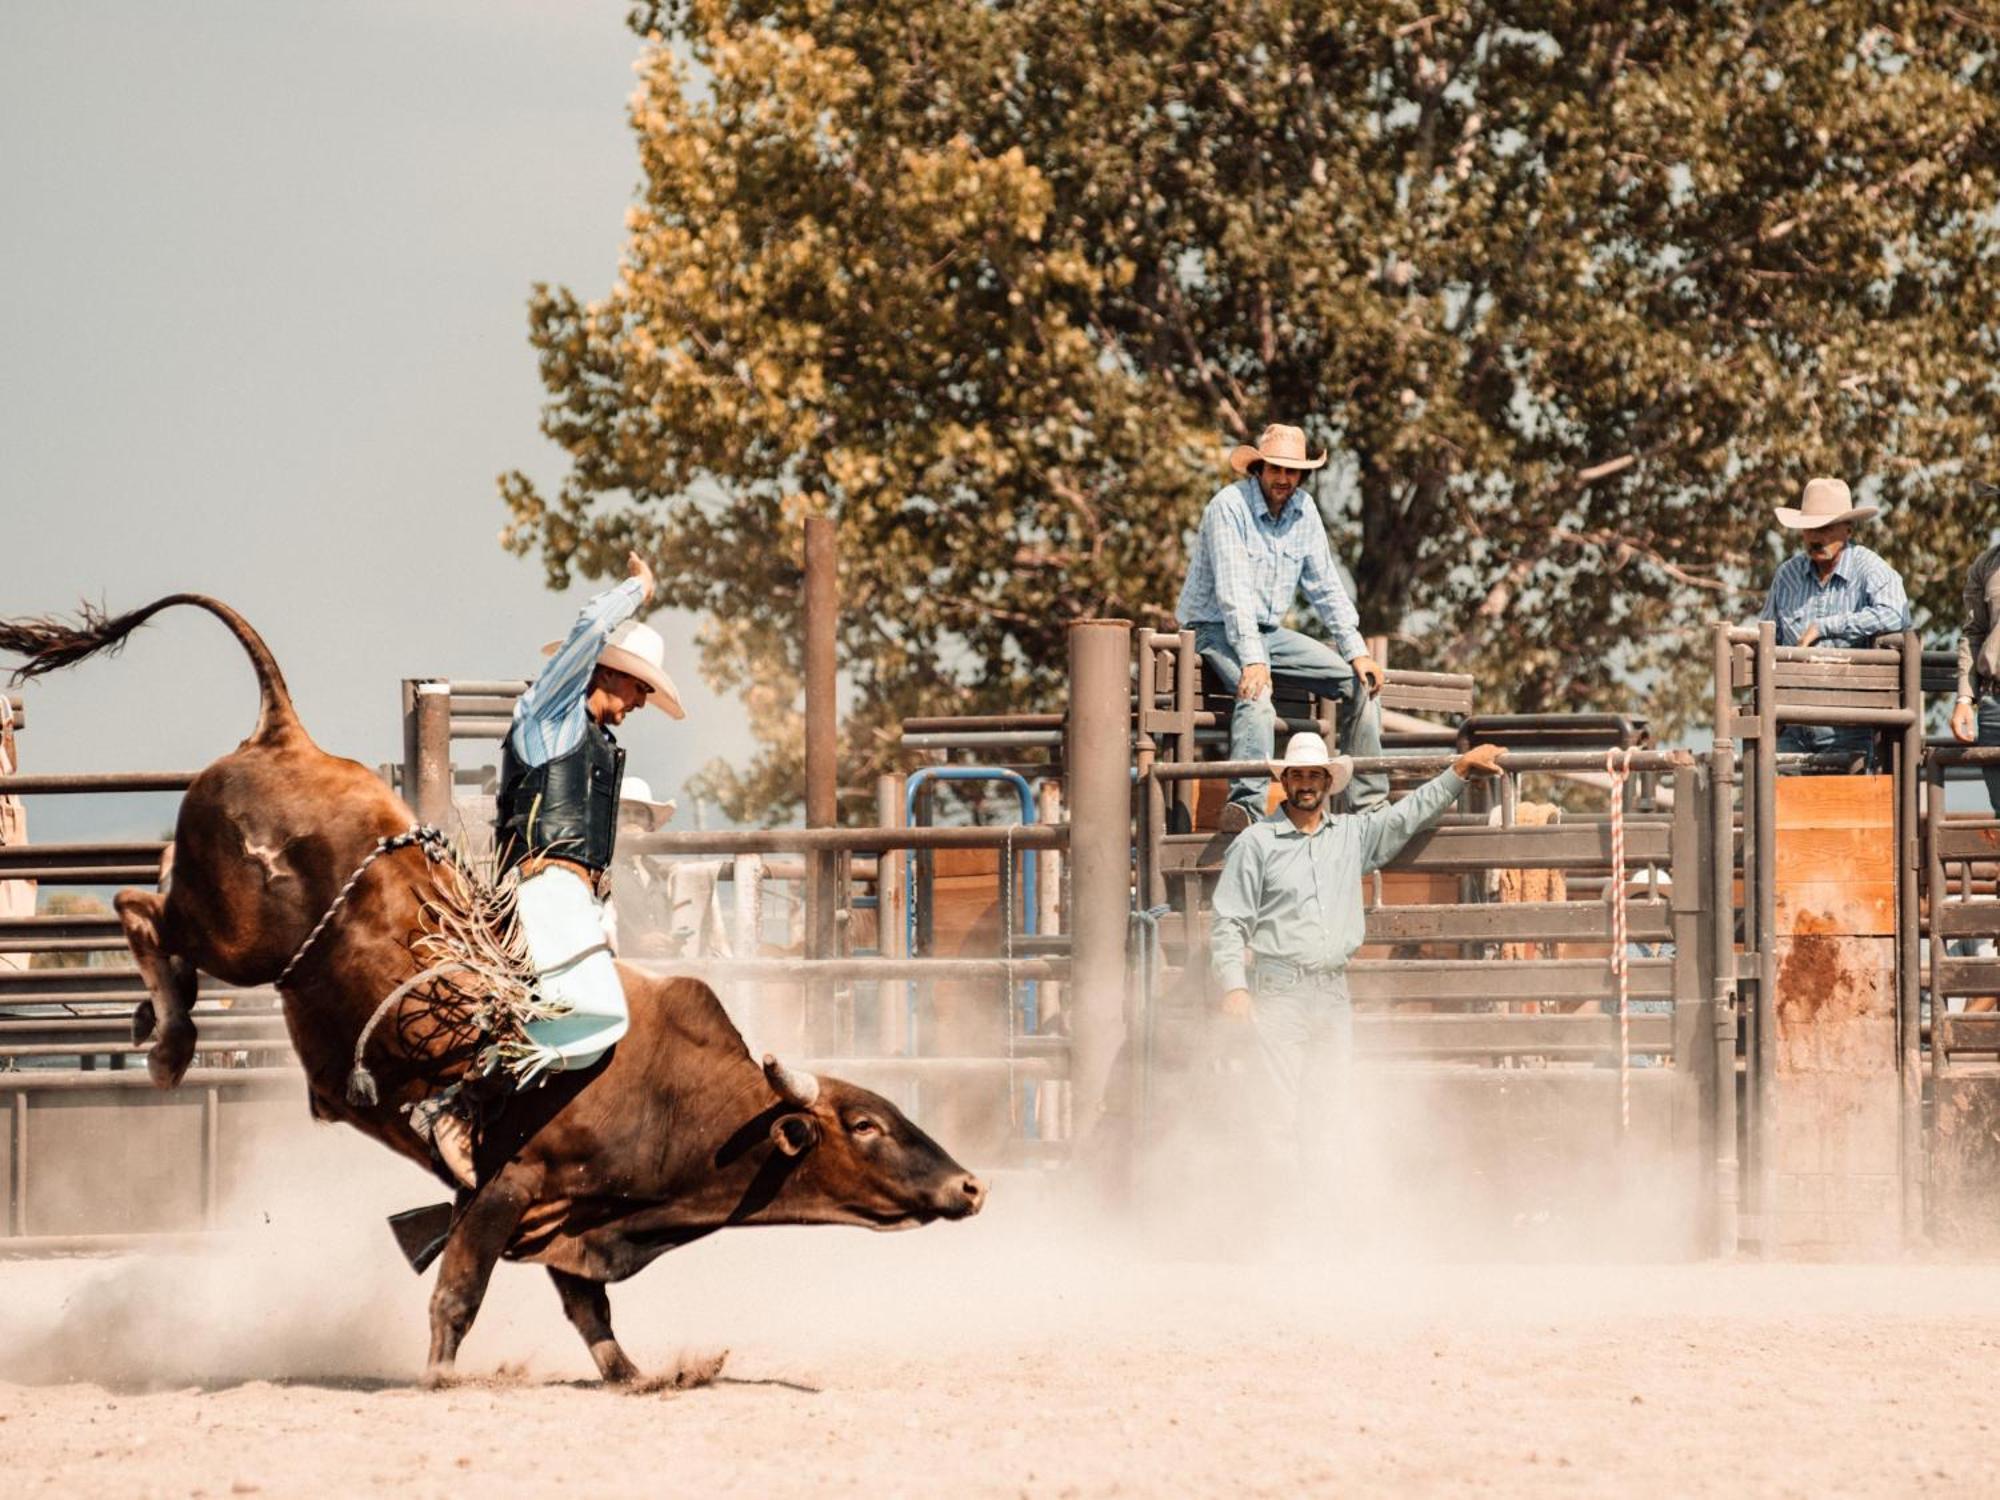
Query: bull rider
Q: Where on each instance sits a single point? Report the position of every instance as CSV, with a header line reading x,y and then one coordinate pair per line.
x,y
556,823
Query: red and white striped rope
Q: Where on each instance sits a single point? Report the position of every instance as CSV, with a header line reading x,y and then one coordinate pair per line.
x,y
1618,769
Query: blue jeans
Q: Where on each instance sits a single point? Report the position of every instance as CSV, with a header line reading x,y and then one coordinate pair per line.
x,y
1253,724
1827,739
1989,734
1305,1056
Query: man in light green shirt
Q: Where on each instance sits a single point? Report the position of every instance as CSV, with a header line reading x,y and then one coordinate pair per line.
x,y
1288,916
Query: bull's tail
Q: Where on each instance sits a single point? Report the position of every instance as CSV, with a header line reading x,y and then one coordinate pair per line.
x,y
47,643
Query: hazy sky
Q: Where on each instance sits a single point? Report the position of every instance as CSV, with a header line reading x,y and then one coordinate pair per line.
x,y
267,268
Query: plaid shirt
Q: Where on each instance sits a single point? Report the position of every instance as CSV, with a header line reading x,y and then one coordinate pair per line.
x,y
1247,568
1862,598
549,717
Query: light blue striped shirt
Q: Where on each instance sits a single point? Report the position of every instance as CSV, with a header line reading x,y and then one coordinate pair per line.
x,y
1296,897
1862,598
1248,567
549,717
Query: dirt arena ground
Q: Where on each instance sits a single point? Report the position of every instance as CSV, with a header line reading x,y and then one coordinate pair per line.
x,y
1005,1356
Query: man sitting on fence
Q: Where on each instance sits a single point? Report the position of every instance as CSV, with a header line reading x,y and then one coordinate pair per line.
x,y
1261,539
1975,718
556,823
1288,917
1833,593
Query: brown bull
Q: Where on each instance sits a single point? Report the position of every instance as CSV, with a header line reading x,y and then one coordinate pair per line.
x,y
679,1133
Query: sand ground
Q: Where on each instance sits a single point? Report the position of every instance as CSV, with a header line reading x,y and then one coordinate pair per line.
x,y
1005,1356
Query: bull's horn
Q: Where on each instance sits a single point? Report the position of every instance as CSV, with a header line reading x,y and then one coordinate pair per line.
x,y
798,1088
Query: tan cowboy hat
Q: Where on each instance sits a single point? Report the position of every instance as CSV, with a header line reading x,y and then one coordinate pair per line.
x,y
1826,503
1276,444
1307,752
636,649
636,793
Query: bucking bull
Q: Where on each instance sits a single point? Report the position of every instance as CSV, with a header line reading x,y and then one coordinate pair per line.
x,y
677,1134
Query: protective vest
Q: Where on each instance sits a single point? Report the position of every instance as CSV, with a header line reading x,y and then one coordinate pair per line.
x,y
567,807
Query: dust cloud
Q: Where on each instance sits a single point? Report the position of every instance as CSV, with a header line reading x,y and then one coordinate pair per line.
x,y
1410,1188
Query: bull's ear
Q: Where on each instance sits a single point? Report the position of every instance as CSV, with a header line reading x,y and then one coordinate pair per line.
x,y
795,1135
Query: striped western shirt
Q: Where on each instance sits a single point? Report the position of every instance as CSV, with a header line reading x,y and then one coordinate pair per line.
x,y
1862,598
549,717
1248,566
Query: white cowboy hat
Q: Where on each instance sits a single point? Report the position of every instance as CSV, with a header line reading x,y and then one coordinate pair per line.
x,y
634,791
1276,444
637,650
1307,752
1826,502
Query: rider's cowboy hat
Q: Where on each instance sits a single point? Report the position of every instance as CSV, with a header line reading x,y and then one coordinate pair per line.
x,y
1307,752
1276,444
636,650
634,792
1826,503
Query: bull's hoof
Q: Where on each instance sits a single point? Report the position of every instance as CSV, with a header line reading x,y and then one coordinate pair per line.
x,y
172,1052
439,1377
690,1374
144,1020
613,1364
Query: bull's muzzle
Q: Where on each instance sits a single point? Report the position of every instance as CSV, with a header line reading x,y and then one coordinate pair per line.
x,y
962,1197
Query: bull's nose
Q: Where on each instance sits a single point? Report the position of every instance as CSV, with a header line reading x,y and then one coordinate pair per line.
x,y
972,1192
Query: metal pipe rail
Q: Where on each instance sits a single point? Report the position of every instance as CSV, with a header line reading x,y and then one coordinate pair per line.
x,y
96,781
801,969
1542,760
1858,656
221,1023
836,840
66,1081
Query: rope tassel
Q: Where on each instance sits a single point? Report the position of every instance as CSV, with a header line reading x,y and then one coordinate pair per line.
x,y
361,1090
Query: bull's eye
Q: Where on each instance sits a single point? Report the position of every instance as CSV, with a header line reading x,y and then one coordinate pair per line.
x,y
861,1125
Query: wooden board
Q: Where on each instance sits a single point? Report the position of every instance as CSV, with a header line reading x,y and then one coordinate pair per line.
x,y
1836,855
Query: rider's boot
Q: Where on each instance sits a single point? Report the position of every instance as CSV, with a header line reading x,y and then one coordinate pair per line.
x,y
441,1120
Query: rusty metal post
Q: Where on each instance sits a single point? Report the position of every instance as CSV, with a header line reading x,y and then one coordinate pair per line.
x,y
1909,770
1098,758
211,1156
1722,944
746,878
17,1177
892,916
822,605
1764,1034
429,789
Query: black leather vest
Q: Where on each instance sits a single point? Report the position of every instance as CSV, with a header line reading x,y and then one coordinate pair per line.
x,y
567,808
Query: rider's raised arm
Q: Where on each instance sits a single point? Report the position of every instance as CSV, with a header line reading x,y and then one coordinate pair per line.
x,y
557,694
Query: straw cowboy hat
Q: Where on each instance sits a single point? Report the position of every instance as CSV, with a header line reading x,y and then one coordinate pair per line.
x,y
1307,752
637,650
636,793
1826,502
1276,444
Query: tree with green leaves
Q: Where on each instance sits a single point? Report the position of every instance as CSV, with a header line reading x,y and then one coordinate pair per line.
x,y
1574,293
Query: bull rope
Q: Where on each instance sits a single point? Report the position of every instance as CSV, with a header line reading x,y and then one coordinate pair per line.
x,y
491,956
1618,770
434,844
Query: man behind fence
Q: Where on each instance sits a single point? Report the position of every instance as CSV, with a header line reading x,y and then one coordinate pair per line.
x,y
1261,540
1975,718
1288,917
1833,593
